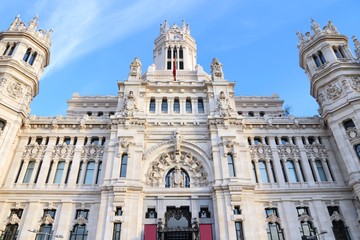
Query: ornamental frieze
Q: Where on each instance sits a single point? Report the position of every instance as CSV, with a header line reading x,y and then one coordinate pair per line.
x,y
333,91
260,151
355,83
92,152
315,150
288,151
34,151
63,151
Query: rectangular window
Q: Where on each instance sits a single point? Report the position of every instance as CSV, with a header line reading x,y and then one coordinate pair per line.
x,y
164,105
59,172
321,171
82,212
237,210
89,174
117,231
151,213
118,211
188,105
263,172
124,160
231,165
68,172
239,231
293,177
152,105
29,171
181,65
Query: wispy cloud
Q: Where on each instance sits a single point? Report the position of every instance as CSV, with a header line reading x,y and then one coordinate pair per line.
x,y
83,26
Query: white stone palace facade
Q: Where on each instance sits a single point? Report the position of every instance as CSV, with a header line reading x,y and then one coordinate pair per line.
x,y
176,154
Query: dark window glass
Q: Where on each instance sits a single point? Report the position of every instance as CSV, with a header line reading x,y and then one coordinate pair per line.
x,y
10,232
59,171
164,105
38,172
117,231
152,105
317,61
32,58
151,213
27,55
98,172
274,231
49,172
89,174
20,168
29,171
68,172
181,53
348,124
79,172
44,232
188,105
204,212
239,231
200,105
118,211
230,160
12,49
79,232
322,58
6,49
124,161
176,105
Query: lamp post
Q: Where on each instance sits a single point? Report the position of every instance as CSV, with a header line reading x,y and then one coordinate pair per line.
x,y
313,237
48,236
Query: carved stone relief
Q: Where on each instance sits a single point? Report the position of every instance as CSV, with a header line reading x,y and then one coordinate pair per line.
x,y
315,150
216,69
130,105
14,90
13,219
81,220
47,219
288,151
336,217
34,151
94,152
304,217
135,68
260,151
272,218
187,161
333,91
223,105
355,83
63,151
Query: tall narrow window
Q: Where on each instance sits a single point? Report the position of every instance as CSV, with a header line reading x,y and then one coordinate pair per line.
x,y
254,171
293,177
239,231
68,172
348,124
338,51
2,124
274,231
152,105
200,105
317,61
89,174
273,171
6,49
19,171
38,172
49,172
164,105
176,105
27,55
46,229
117,231
59,171
124,161
339,228
230,160
79,172
181,58
322,58
98,172
188,105
168,58
29,171
263,172
320,170
330,171
283,168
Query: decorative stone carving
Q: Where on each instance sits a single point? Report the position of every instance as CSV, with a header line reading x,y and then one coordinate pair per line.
x,y
336,217
357,47
177,179
288,151
304,217
260,151
357,206
13,219
352,133
315,27
216,69
333,91
332,28
47,219
355,83
177,141
315,150
187,161
14,89
63,151
34,151
135,68
92,152
223,105
130,105
272,218
81,220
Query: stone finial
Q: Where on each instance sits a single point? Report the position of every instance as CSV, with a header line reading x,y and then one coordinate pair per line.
x,y
300,38
357,47
166,26
15,23
315,27
135,68
332,28
33,24
183,25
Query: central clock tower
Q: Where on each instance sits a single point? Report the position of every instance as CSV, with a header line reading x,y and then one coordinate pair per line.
x,y
175,44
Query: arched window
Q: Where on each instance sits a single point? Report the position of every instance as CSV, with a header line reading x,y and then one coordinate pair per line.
x,y
152,105
339,228
164,105
177,177
176,105
274,230
124,161
263,172
293,177
11,232
12,49
338,52
181,58
322,58
29,171
89,174
59,171
188,105
79,232
320,170
230,160
27,55
32,58
200,105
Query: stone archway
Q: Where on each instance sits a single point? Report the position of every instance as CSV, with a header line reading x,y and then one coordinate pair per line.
x,y
160,166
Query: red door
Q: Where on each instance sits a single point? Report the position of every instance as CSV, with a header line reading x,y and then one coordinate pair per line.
x,y
205,232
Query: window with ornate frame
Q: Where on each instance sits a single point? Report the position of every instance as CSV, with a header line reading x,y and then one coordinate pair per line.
x,y
89,173
29,171
274,230
339,228
306,226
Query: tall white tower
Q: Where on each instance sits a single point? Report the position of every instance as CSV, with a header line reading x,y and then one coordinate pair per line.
x,y
334,76
25,52
175,42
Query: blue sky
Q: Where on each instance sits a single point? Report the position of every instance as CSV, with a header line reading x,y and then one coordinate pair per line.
x,y
95,41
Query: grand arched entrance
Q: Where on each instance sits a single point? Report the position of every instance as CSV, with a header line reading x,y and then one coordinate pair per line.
x,y
178,225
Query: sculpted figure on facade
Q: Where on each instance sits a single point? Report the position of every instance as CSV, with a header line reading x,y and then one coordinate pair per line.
x,y
13,219
333,91
315,27
14,89
223,104
332,28
357,47
130,105
47,219
177,141
216,69
355,83
135,68
177,179
300,38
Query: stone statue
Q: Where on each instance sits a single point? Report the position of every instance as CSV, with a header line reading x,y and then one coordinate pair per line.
x,y
177,179
135,68
177,141
130,105
315,27
216,69
300,37
332,27
223,103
